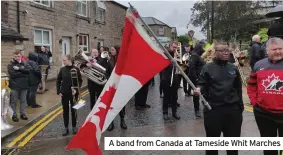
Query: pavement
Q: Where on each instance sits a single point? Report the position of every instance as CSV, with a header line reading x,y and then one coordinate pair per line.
x,y
46,139
48,100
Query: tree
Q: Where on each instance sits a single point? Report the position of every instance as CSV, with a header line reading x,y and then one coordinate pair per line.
x,y
183,39
263,34
232,18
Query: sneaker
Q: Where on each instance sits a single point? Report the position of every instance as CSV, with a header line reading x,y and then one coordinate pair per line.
x,y
15,118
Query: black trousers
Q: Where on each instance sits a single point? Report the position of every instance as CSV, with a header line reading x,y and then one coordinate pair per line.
x,y
269,124
67,101
195,97
31,95
226,119
170,96
160,84
141,95
94,93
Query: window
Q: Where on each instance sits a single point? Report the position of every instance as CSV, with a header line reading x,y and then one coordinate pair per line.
x,y
44,3
161,31
83,43
100,11
82,8
42,37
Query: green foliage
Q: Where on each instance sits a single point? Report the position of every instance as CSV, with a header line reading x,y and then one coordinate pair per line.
x,y
231,18
183,38
263,34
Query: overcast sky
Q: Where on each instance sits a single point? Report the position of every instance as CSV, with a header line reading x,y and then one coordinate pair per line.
x,y
173,13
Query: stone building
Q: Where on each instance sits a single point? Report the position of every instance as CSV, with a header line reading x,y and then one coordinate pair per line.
x,y
64,26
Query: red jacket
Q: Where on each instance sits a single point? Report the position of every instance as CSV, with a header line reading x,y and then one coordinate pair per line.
x,y
265,85
24,59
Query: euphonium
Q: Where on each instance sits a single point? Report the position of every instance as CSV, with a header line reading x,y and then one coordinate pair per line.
x,y
95,73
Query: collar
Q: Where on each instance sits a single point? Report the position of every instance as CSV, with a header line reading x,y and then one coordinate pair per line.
x,y
274,62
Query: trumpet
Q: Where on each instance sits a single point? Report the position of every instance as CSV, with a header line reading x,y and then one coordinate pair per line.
x,y
77,98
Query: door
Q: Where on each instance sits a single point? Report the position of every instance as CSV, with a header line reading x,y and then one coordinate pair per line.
x,y
65,46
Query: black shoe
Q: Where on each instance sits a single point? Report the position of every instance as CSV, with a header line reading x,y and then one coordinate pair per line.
x,y
75,130
36,106
197,114
138,107
123,124
165,117
146,106
176,116
111,127
24,117
66,132
178,104
15,118
186,94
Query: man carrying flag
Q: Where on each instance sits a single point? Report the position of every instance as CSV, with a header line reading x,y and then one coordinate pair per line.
x,y
129,75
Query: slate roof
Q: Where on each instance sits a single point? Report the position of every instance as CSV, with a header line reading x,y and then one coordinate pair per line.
x,y
153,21
9,33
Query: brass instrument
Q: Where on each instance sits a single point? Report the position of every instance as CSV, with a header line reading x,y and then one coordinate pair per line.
x,y
41,88
5,102
95,73
77,98
244,79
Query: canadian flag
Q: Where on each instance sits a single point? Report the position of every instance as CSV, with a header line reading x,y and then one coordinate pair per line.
x,y
138,61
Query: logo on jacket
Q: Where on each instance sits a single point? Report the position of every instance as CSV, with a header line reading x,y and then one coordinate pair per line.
x,y
273,83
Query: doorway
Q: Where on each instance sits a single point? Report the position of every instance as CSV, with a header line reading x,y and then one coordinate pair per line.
x,y
65,46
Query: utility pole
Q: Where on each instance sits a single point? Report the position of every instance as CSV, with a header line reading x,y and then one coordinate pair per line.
x,y
212,20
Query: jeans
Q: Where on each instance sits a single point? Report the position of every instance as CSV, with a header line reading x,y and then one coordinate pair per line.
x,y
15,94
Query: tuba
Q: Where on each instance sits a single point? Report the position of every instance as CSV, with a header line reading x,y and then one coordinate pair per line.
x,y
41,87
5,102
95,72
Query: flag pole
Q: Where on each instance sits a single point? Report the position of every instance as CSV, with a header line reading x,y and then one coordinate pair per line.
x,y
173,61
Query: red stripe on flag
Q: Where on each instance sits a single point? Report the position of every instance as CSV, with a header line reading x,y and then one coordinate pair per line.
x,y
86,140
138,59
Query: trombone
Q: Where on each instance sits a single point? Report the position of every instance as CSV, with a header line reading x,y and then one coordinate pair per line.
x,y
77,98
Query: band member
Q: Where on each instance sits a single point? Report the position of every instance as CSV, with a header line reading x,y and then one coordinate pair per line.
x,y
94,88
141,97
160,85
18,83
112,62
34,80
187,49
66,92
170,88
195,65
220,83
265,89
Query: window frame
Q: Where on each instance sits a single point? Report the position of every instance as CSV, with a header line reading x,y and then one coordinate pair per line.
x,y
100,11
40,3
163,30
86,11
42,44
87,41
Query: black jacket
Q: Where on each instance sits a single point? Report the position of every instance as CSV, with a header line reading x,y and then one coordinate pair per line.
x,y
64,80
35,73
43,58
195,65
256,53
221,85
18,78
167,74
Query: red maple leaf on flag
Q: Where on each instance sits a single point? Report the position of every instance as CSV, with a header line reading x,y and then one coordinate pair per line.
x,y
106,98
